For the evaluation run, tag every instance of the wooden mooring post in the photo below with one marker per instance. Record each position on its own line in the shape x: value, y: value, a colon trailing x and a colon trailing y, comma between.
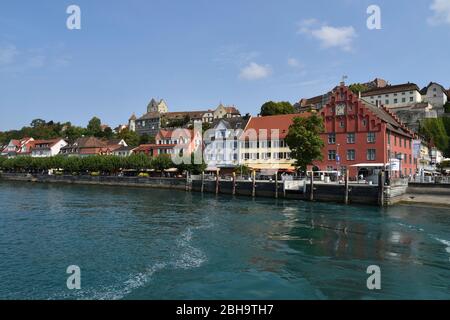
x: 202, y: 188
x: 253, y: 183
x: 346, y: 187
x: 187, y: 181
x: 276, y: 185
x: 311, y: 192
x: 234, y: 184
x: 217, y: 181
x: 381, y: 188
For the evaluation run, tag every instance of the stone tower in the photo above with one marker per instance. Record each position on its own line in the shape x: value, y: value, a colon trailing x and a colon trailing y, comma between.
x: 132, y: 123
x: 155, y: 106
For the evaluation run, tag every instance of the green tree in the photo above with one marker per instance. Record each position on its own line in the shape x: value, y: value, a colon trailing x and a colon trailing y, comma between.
x: 358, y: 87
x: 274, y: 108
x: 242, y: 170
x: 305, y: 141
x: 73, y: 133
x: 107, y: 133
x: 162, y: 162
x: 130, y: 137
x: 447, y: 107
x: 146, y: 139
x: 37, y: 123
x: 434, y: 130
x: 94, y: 127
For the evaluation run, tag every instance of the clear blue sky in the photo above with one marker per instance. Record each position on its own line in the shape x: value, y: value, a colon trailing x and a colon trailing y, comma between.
x: 198, y: 53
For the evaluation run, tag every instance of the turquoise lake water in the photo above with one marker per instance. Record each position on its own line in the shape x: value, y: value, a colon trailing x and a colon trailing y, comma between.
x: 133, y: 243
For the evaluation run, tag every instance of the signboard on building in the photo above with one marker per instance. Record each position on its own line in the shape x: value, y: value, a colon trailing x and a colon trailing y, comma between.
x: 416, y: 148
x: 394, y: 165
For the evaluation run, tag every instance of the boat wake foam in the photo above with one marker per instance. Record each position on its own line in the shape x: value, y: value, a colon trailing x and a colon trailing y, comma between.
x: 185, y: 256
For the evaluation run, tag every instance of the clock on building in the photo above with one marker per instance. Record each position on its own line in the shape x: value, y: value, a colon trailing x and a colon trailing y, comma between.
x: 340, y: 109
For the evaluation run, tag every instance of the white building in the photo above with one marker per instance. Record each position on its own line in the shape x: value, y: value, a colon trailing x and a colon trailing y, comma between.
x: 222, y: 147
x: 47, y: 148
x: 394, y: 95
x: 436, y: 95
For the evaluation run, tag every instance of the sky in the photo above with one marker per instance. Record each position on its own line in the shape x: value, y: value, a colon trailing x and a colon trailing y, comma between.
x: 196, y: 54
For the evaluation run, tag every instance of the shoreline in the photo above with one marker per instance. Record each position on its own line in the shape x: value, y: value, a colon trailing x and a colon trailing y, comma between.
x: 360, y: 195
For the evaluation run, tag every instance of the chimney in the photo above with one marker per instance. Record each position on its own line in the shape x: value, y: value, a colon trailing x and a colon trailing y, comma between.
x: 359, y: 95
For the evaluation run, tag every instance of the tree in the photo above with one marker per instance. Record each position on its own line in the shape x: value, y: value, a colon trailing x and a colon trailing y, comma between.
x: 107, y: 133
x: 434, y: 130
x: 358, y: 87
x: 447, y: 107
x: 206, y: 126
x: 146, y: 139
x: 274, y: 108
x: 162, y: 162
x: 94, y: 127
x: 130, y: 137
x: 73, y: 133
x: 37, y: 123
x: 305, y: 141
x: 243, y: 170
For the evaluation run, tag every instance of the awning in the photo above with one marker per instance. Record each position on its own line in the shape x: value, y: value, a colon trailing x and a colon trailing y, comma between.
x: 369, y: 165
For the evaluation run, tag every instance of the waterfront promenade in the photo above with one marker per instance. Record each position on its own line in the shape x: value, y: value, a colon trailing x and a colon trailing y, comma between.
x: 420, y: 194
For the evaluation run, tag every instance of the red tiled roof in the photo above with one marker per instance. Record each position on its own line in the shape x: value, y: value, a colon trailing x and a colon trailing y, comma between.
x: 391, y: 89
x: 168, y: 134
x: 232, y: 110
x: 50, y: 142
x: 269, y: 123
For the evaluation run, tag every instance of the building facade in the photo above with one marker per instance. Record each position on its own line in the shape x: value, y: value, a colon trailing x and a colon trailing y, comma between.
x: 362, y: 137
x: 263, y: 146
x: 47, y: 148
x: 158, y: 116
x: 89, y: 146
x: 393, y: 95
x: 222, y: 143
x: 436, y: 95
x: 20, y: 147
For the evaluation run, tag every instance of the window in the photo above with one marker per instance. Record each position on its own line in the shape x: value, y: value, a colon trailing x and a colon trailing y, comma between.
x: 389, y: 138
x: 351, y: 155
x: 371, y: 154
x: 411, y: 99
x: 332, y: 155
x: 386, y: 101
x: 371, y: 137
x: 350, y: 138
x: 403, y: 99
x: 342, y: 124
x: 395, y: 100
x: 364, y: 122
x: 404, y: 144
x: 331, y: 138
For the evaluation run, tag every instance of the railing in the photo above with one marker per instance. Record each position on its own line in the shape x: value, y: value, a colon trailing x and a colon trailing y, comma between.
x: 431, y: 179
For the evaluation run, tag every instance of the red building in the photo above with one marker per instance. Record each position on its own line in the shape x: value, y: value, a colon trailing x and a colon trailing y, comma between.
x: 363, y: 138
x: 171, y: 142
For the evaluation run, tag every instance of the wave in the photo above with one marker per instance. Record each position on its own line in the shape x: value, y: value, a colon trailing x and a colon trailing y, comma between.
x: 186, y: 256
